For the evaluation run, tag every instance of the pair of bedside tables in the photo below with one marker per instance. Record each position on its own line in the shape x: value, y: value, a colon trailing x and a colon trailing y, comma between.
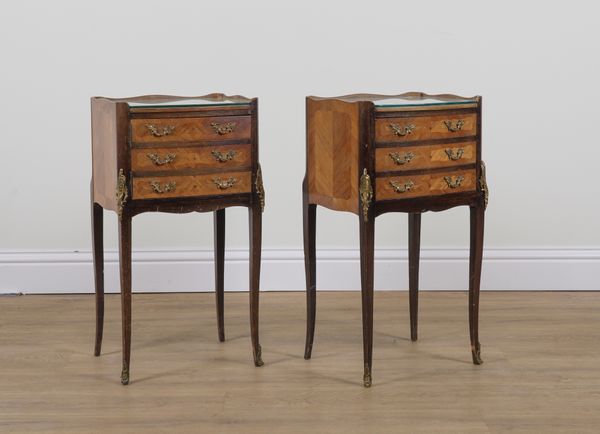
x: 366, y: 154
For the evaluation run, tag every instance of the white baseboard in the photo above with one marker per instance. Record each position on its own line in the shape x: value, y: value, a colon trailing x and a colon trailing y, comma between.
x: 283, y: 270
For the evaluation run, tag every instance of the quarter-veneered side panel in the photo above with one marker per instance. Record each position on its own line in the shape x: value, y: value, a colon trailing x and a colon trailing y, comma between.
x: 333, y: 154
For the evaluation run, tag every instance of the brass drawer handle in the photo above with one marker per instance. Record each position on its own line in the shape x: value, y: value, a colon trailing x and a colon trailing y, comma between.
x: 165, y: 188
x: 224, y: 184
x: 455, y: 154
x: 158, y: 161
x: 402, y: 188
x: 401, y: 159
x: 454, y: 183
x: 157, y: 132
x: 222, y: 129
x: 402, y: 130
x: 454, y: 126
x: 223, y: 157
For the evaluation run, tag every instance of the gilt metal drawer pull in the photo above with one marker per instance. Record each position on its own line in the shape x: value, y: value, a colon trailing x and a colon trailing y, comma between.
x: 222, y: 129
x: 402, y: 188
x: 159, y: 161
x: 160, y: 132
x: 165, y: 188
x: 402, y: 130
x: 454, y: 126
x: 455, y: 154
x: 454, y: 183
x: 401, y: 159
x: 223, y: 157
x: 224, y: 184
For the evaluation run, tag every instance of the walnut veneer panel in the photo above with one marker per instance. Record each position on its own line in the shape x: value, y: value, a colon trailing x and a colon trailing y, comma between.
x: 108, y: 130
x: 186, y: 130
x: 431, y: 184
x: 424, y: 157
x: 333, y: 150
x: 186, y: 186
x: 425, y: 127
x: 184, y: 158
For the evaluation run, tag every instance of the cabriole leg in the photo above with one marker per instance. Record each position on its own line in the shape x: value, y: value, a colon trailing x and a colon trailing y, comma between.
x: 475, y: 261
x: 125, y: 268
x: 98, y: 258
x: 255, y: 214
x: 414, y: 247
x: 367, y: 245
x: 219, y: 228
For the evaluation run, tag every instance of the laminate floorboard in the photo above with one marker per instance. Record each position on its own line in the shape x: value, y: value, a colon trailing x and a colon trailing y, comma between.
x: 541, y: 370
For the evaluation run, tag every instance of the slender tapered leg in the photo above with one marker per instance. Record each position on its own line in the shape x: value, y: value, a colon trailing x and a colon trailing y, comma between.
x: 125, y: 268
x: 310, y: 269
x: 255, y: 218
x: 414, y: 248
x: 98, y: 259
x: 367, y: 245
x: 219, y: 224
x: 475, y: 260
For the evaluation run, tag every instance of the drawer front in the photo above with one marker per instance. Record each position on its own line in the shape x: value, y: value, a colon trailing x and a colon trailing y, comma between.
x: 425, y: 127
x: 201, y: 157
x: 433, y: 184
x: 424, y: 157
x: 216, y: 184
x: 186, y: 130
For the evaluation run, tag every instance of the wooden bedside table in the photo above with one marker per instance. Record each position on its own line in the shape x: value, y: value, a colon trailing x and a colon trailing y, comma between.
x: 372, y: 154
x: 177, y: 155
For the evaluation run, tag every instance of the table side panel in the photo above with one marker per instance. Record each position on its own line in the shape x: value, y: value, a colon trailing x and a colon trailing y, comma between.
x: 333, y: 154
x: 106, y: 129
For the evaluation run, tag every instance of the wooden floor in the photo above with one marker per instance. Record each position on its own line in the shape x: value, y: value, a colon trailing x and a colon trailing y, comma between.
x: 541, y: 372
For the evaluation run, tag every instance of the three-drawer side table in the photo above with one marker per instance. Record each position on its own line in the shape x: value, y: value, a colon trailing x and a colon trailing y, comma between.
x: 176, y: 155
x: 373, y: 154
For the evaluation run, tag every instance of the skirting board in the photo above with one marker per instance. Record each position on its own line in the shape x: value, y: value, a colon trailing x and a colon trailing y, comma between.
x: 283, y: 270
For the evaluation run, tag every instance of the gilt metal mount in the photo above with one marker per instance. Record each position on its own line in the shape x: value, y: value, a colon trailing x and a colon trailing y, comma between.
x: 223, y: 157
x: 402, y: 187
x: 121, y: 192
x: 260, y: 190
x: 159, y: 161
x: 160, y: 132
x: 454, y: 154
x: 454, y: 126
x: 366, y: 193
x: 484, y: 186
x: 224, y: 184
x: 401, y: 159
x: 400, y: 130
x: 222, y: 129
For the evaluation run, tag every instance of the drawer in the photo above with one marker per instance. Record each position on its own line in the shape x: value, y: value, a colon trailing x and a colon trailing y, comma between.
x: 216, y: 184
x: 412, y: 128
x: 432, y: 184
x: 424, y: 157
x: 186, y: 130
x: 200, y: 157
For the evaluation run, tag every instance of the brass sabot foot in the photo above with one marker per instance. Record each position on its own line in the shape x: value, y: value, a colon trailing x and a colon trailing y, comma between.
x: 367, y: 377
x: 476, y: 353
x: 258, y: 357
x: 125, y: 376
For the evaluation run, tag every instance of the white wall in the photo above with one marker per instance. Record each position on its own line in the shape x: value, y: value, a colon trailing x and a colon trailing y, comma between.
x: 535, y: 63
